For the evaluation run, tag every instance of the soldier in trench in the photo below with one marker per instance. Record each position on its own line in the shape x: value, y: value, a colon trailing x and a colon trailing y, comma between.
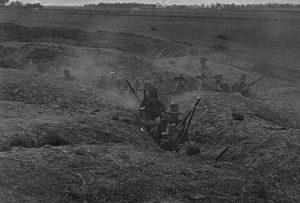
x: 169, y: 127
x: 240, y: 85
x: 151, y: 108
x: 206, y: 76
x: 220, y: 85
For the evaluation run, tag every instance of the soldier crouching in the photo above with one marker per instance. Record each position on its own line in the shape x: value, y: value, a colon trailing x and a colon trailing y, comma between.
x: 168, y: 129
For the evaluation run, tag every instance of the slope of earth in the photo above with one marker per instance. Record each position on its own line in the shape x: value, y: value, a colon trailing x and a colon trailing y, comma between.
x: 274, y: 42
x: 25, y: 55
x: 131, y: 43
x: 259, y: 142
x: 57, y: 150
x: 161, y: 50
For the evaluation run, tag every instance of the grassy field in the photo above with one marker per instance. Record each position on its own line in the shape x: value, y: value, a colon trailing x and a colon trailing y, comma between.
x: 274, y: 42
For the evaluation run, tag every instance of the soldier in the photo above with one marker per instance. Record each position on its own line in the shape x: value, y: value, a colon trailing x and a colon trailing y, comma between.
x: 125, y: 89
x: 205, y: 69
x: 220, y: 86
x: 206, y: 76
x: 244, y: 88
x: 146, y: 85
x: 68, y: 76
x: 168, y: 128
x: 150, y: 108
x: 240, y: 85
x: 169, y: 138
x: 180, y: 83
x: 138, y: 87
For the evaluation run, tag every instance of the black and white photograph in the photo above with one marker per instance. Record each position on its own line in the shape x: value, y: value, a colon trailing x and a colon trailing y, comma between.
x: 155, y: 101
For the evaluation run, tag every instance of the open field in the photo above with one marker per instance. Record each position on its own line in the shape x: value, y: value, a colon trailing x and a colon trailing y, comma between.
x: 263, y: 41
x: 79, y: 141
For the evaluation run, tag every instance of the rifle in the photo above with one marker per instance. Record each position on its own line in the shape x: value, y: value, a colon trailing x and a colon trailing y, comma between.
x: 222, y: 152
x: 187, y: 125
x: 129, y: 85
x: 186, y: 117
x: 245, y: 89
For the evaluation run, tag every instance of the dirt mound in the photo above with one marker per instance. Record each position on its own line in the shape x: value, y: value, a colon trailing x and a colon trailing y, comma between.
x: 107, y: 160
x: 5, y: 55
x: 6, y: 50
x: 14, y: 32
x: 44, y: 90
x: 124, y: 173
x: 130, y: 43
x: 135, y: 64
x: 74, y: 130
x: 44, y: 57
x: 44, y: 54
x: 146, y: 46
x: 284, y: 73
x: 255, y: 142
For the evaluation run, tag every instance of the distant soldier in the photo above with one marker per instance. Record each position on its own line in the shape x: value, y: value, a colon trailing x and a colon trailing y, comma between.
x: 206, y: 76
x: 150, y: 108
x: 220, y: 85
x: 244, y: 88
x: 126, y: 90
x: 240, y: 85
x: 138, y: 87
x: 68, y: 76
x: 204, y: 68
x: 180, y: 83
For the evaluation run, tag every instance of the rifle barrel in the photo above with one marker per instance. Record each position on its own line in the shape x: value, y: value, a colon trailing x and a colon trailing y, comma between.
x: 255, y: 81
x: 129, y: 85
x: 187, y: 125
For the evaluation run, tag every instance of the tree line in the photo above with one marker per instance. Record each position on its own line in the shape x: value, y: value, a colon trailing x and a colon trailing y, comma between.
x: 20, y: 4
x: 213, y: 6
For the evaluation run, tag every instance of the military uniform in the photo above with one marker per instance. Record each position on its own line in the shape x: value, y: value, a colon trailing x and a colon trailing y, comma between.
x: 180, y: 83
x: 168, y: 129
x: 225, y: 87
x: 169, y: 141
x: 150, y: 108
x: 158, y: 131
x: 220, y: 86
x: 239, y: 86
x: 206, y: 71
x: 68, y: 76
x: 207, y: 76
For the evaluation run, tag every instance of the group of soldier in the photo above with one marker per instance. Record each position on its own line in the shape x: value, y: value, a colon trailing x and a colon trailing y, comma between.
x: 216, y: 82
x: 209, y: 82
x: 163, y: 124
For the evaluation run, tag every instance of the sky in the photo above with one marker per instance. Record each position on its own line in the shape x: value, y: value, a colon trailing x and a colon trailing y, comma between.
x: 168, y: 2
